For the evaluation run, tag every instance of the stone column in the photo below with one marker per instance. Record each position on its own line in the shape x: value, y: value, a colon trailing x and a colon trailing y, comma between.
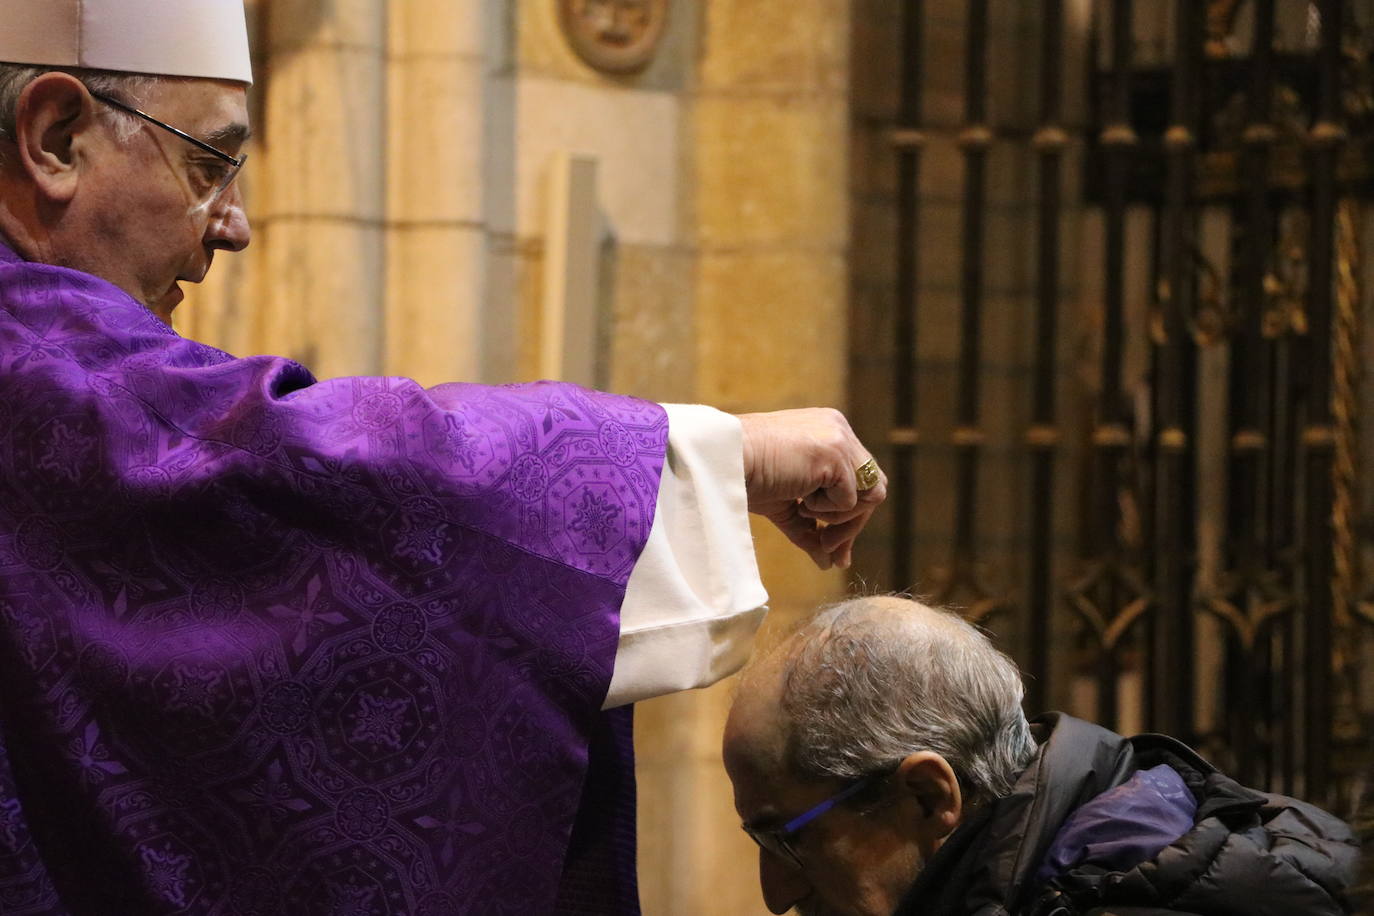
x: 436, y: 240
x: 322, y: 185
x: 770, y: 125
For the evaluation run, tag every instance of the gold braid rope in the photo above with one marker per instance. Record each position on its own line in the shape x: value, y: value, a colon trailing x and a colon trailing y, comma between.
x: 1345, y: 406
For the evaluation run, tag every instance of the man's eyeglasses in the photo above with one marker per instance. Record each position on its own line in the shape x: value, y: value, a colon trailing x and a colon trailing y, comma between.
x: 781, y: 841
x: 231, y: 167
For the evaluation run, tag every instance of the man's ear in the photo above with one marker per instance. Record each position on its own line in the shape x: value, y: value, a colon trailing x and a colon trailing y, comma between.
x: 54, y: 116
x: 929, y: 782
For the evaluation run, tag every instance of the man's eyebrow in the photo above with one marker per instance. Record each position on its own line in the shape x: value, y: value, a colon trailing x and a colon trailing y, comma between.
x: 230, y: 134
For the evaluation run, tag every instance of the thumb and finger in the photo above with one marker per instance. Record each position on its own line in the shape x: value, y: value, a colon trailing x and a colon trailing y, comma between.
x: 804, y: 533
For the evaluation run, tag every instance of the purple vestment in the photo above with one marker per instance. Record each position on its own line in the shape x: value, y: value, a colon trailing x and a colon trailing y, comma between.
x: 272, y: 645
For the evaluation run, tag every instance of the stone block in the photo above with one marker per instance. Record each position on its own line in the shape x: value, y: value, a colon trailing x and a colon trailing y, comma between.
x: 325, y: 136
x: 527, y: 262
x: 439, y: 28
x: 772, y: 170
x: 633, y: 135
x: 653, y: 349
x: 504, y: 312
x: 772, y: 329
x: 323, y: 294
x: 796, y: 47
x: 435, y: 156
x: 435, y: 307
x: 295, y: 25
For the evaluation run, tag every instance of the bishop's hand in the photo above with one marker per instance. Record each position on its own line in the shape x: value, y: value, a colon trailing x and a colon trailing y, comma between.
x: 800, y: 472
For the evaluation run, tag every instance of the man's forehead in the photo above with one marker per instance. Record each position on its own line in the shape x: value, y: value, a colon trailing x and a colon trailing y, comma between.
x: 755, y: 752
x: 215, y: 111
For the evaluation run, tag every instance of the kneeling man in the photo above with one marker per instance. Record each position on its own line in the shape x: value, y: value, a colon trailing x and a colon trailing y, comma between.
x: 881, y: 761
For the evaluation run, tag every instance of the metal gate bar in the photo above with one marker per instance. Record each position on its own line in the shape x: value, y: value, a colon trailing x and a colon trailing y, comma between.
x: 908, y: 141
x: 1171, y: 623
x: 1326, y: 140
x: 1043, y: 437
x: 962, y: 575
x: 1250, y: 598
x: 1111, y: 594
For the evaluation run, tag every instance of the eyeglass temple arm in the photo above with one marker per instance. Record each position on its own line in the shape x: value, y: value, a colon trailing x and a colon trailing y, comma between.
x: 802, y: 820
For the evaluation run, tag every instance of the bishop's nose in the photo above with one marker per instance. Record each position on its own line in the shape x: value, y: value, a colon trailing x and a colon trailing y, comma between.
x: 228, y: 229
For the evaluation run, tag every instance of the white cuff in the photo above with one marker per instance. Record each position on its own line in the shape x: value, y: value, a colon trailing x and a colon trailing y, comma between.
x: 694, y: 599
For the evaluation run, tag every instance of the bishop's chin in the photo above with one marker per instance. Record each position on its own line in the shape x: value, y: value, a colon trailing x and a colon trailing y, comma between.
x: 163, y: 307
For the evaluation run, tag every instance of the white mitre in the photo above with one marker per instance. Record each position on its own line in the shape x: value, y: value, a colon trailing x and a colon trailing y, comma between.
x: 198, y: 38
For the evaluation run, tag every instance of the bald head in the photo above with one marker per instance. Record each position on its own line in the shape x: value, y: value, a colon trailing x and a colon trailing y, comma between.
x: 867, y: 681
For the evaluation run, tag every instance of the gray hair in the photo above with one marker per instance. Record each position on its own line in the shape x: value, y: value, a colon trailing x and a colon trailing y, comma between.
x: 14, y: 78
x: 873, y: 680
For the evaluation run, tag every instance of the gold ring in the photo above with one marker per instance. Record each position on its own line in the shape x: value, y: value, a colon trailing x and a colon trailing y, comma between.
x: 866, y: 475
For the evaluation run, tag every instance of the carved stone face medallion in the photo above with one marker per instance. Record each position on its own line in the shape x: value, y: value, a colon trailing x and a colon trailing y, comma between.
x: 614, y: 36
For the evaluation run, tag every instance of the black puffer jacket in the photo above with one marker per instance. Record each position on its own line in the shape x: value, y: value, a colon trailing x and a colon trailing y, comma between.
x: 1247, y: 853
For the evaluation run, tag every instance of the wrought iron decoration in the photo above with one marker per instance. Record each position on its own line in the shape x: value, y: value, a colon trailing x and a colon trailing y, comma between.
x: 614, y: 36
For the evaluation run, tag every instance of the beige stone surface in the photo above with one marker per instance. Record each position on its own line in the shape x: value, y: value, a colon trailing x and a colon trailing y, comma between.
x: 772, y: 329
x: 294, y: 24
x: 323, y: 293
x: 325, y: 135
x: 633, y: 135
x: 441, y: 28
x: 435, y: 317
x: 438, y: 323
x: 435, y: 149
x: 771, y: 170
x: 506, y: 304
x: 653, y: 353
x: 790, y: 48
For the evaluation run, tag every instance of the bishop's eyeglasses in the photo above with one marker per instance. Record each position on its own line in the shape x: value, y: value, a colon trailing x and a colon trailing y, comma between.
x: 229, y: 165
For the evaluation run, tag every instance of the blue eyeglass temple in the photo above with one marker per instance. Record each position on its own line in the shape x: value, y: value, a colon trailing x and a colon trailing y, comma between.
x: 801, y: 820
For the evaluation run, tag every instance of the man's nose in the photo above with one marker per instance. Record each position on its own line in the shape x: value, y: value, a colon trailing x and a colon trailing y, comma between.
x: 228, y: 228
x: 783, y: 885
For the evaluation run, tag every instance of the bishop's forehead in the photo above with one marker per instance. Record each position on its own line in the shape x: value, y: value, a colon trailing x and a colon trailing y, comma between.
x: 207, y: 39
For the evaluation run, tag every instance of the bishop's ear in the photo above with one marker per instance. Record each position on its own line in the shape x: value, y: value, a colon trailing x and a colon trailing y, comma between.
x: 929, y: 783
x: 53, y: 121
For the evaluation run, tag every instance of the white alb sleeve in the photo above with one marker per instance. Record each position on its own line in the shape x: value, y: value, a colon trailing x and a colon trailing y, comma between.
x: 694, y: 600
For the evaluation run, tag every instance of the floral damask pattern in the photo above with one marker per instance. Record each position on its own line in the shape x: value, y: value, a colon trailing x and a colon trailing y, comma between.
x: 596, y: 518
x: 297, y: 645
x: 379, y: 721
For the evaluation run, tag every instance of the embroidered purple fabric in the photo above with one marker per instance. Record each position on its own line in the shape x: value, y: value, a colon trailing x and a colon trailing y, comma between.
x: 273, y: 645
x: 1123, y: 826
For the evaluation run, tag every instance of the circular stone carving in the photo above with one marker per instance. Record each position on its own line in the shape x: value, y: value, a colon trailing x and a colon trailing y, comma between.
x: 614, y: 36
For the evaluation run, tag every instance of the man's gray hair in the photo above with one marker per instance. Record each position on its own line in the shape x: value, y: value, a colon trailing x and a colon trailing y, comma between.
x: 873, y: 680
x: 128, y: 87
